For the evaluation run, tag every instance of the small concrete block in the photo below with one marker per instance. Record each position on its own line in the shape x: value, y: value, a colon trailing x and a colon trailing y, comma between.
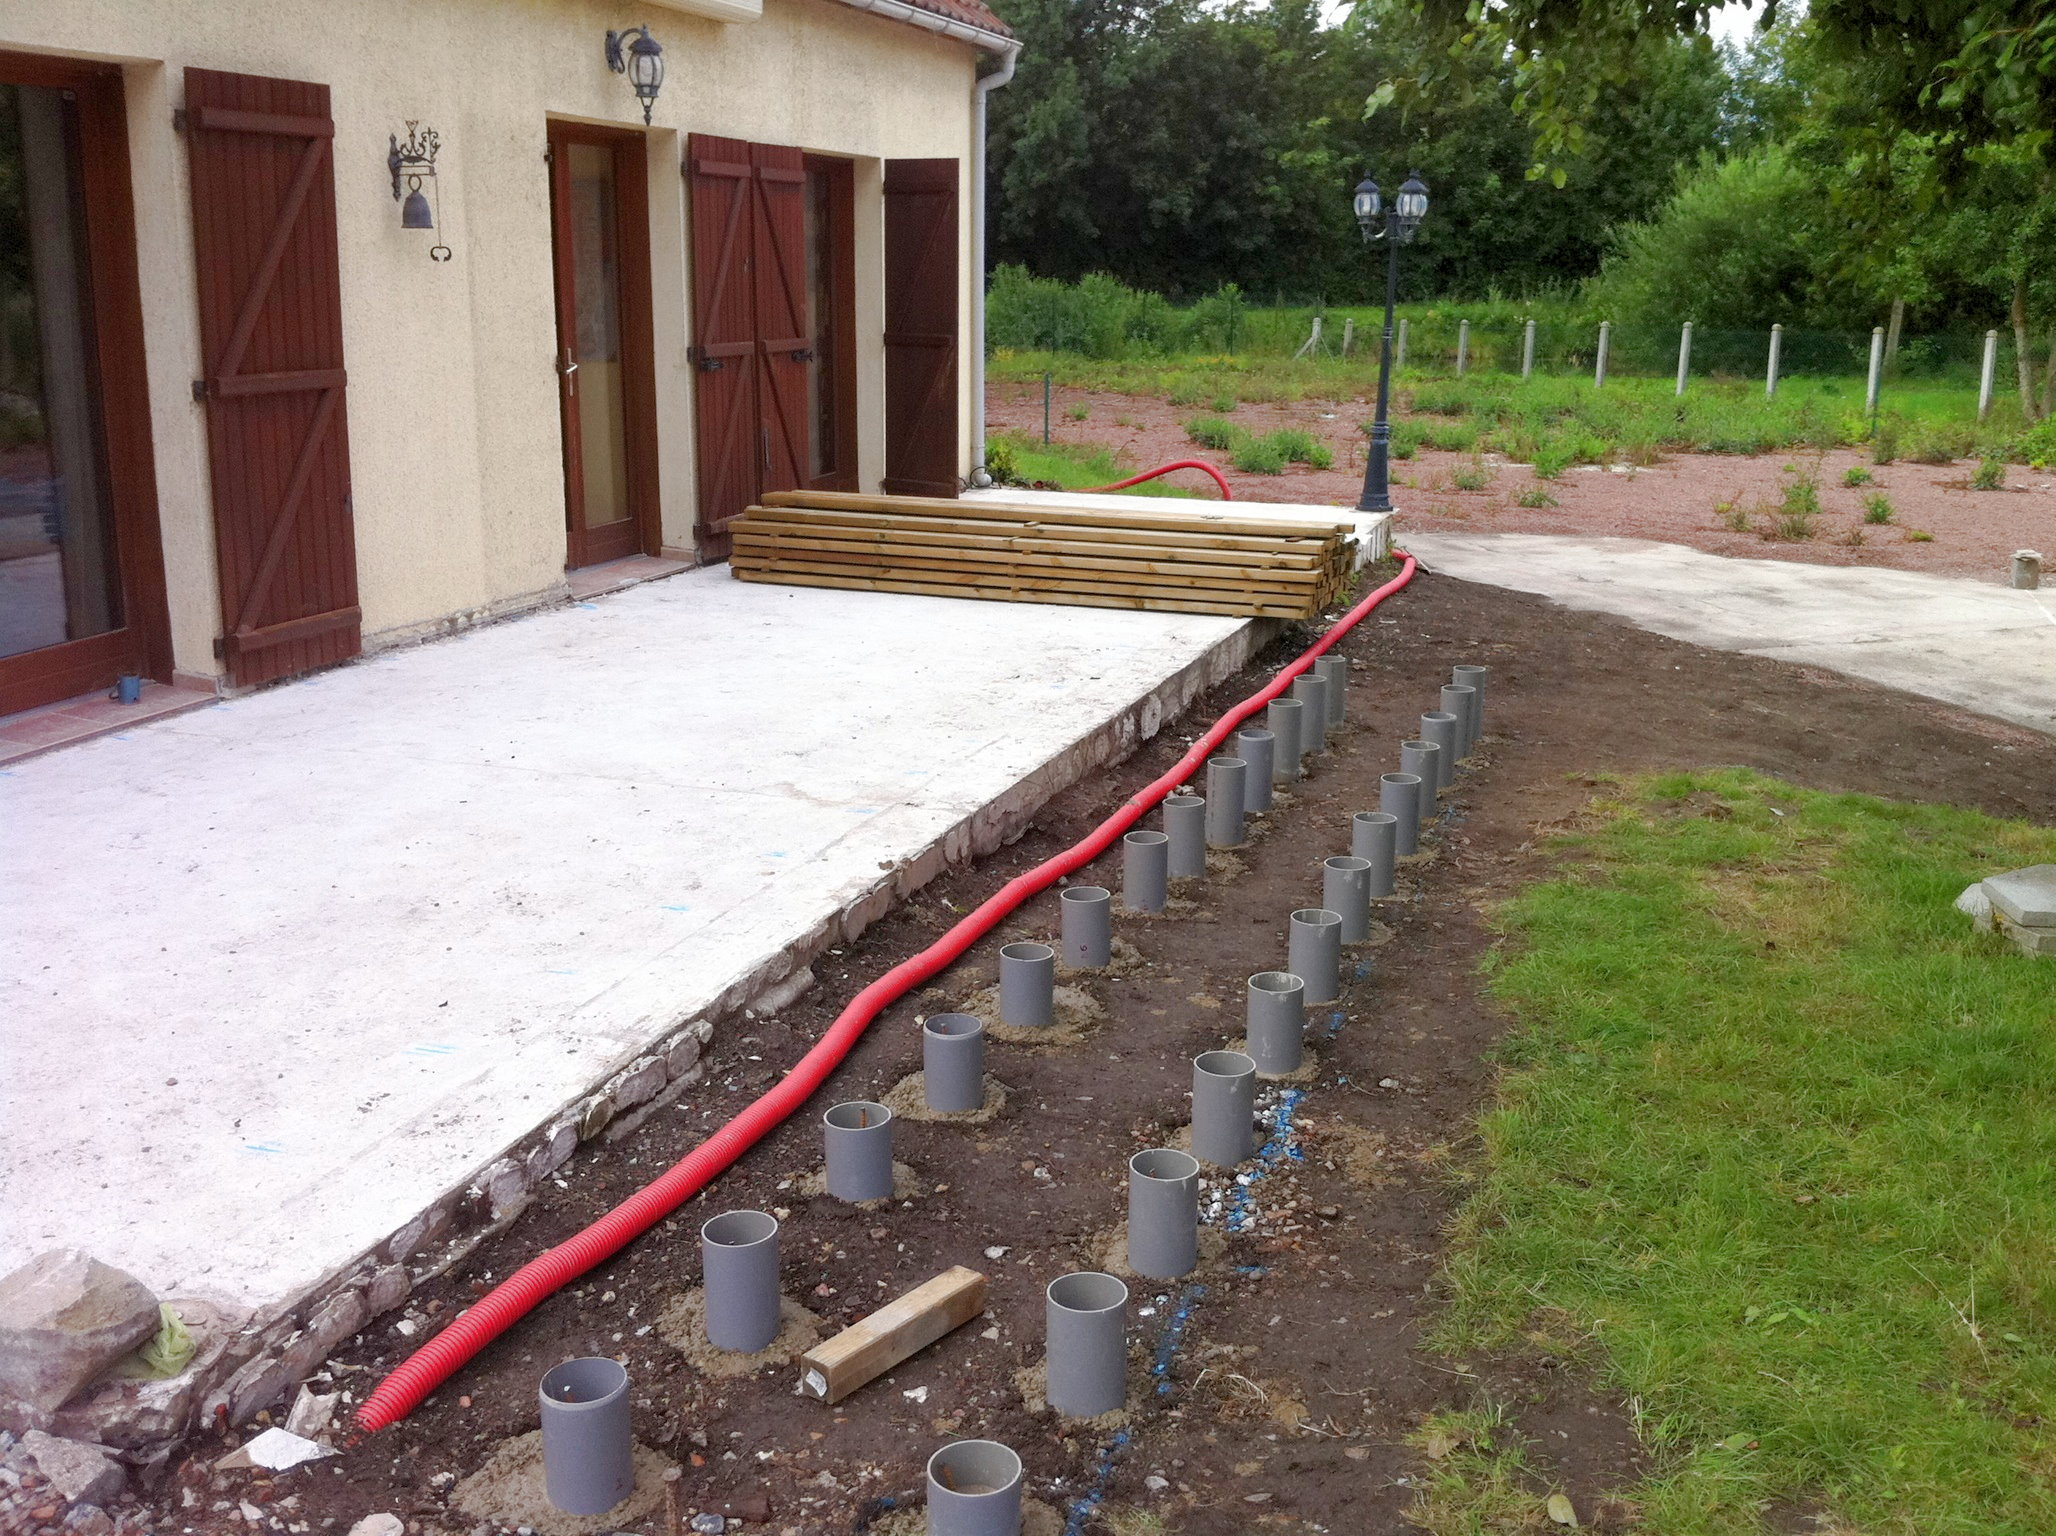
x: 2027, y: 896
x: 2031, y: 941
x: 65, y: 1316
x: 84, y: 1474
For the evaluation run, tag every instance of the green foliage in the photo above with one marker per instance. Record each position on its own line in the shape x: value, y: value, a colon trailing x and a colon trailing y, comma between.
x: 1770, y: 1153
x: 1553, y: 458
x: 1933, y: 443
x: 1474, y: 476
x: 1212, y: 432
x: 1856, y: 475
x: 1014, y: 458
x: 1078, y: 412
x: 1802, y: 491
x: 1877, y: 508
x: 1534, y: 497
x: 1224, y: 403
x: 2037, y: 445
x: 1300, y: 447
x: 1884, y: 442
x: 1919, y: 536
x: 1990, y: 474
x: 1261, y: 456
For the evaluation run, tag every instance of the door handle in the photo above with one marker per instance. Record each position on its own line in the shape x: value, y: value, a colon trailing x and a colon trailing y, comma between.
x: 803, y: 354
x: 709, y: 364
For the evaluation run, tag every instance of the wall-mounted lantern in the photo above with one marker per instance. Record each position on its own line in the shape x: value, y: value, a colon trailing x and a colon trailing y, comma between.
x: 643, y: 63
x: 411, y: 164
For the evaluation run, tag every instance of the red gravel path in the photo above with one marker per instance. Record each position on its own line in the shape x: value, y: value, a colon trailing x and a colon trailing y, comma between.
x: 1974, y: 533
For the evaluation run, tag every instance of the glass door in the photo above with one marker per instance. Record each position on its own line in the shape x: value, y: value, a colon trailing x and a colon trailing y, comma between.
x: 600, y: 239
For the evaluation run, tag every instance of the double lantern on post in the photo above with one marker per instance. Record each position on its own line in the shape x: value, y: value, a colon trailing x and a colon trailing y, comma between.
x: 1394, y: 223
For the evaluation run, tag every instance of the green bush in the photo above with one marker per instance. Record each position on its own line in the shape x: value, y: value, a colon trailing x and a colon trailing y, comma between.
x: 1884, y: 442
x: 1407, y: 437
x: 2037, y: 445
x: 1730, y: 247
x: 1535, y: 496
x: 1856, y: 475
x: 1442, y: 400
x: 1990, y: 474
x: 1877, y: 508
x: 1473, y: 476
x: 1302, y: 448
x: 1185, y: 392
x: 1212, y: 432
x: 1452, y: 436
x: 1224, y: 403
x: 1553, y: 458
x: 1261, y: 456
x: 1933, y: 443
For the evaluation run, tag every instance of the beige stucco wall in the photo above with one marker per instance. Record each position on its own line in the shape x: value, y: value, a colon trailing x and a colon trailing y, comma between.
x: 455, y: 452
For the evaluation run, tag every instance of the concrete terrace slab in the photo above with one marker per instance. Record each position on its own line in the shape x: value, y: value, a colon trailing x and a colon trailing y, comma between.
x: 1969, y: 643
x: 283, y: 974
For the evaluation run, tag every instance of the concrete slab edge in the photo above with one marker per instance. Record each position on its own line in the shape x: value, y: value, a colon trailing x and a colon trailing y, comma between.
x: 252, y: 1366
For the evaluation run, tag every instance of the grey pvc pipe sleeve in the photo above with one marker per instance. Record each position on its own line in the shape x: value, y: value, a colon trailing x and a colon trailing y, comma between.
x: 1027, y: 985
x: 1225, y: 778
x: 1185, y: 825
x: 1346, y: 891
x: 1474, y: 678
x: 1439, y: 726
x: 588, y: 1451
x: 1283, y: 717
x: 1312, y: 692
x: 1145, y: 871
x: 1314, y: 951
x: 1254, y: 748
x: 1423, y: 759
x: 1372, y: 839
x: 1399, y: 796
x: 1087, y: 937
x: 1456, y: 700
x: 953, y: 1062
x: 1276, y: 1022
x: 1334, y: 671
x: 974, y: 1489
x: 1223, y: 1107
x: 1086, y: 1344
x: 858, y: 1137
x: 739, y: 1254
x: 1163, y: 1213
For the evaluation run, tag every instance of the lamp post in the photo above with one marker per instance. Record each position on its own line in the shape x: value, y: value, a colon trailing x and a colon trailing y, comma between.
x: 1395, y: 225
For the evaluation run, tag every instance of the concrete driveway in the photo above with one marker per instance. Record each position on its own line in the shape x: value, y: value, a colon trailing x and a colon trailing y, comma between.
x: 1969, y: 643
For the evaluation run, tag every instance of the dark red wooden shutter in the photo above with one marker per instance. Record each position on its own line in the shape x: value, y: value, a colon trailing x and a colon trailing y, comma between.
x: 921, y: 241
x: 784, y: 339
x: 725, y: 335
x: 271, y: 334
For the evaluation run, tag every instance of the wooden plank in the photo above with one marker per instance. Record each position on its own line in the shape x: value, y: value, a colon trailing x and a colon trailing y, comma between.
x: 1055, y: 599
x: 903, y: 1327
x: 1298, y: 583
x: 1003, y: 582
x: 1298, y: 566
x: 1144, y: 516
x: 1311, y: 548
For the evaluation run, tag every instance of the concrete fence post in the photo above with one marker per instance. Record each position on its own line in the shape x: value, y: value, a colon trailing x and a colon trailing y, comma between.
x: 1463, y: 347
x: 1986, y: 374
x: 1527, y: 349
x: 1348, y: 333
x: 1684, y: 356
x: 1877, y: 370
x: 1770, y: 376
x: 1599, y: 361
x: 1399, y: 345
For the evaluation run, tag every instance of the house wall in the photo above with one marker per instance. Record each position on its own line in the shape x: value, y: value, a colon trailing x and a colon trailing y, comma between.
x: 455, y: 448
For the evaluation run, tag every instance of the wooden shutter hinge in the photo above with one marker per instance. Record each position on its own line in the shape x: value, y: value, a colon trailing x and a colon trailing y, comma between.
x: 178, y: 119
x: 199, y: 391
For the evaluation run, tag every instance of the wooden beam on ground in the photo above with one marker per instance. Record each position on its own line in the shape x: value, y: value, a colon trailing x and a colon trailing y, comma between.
x: 1148, y: 512
x: 867, y: 1349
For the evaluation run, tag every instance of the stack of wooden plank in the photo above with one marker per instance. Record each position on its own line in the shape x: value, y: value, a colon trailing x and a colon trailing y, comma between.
x: 1162, y: 555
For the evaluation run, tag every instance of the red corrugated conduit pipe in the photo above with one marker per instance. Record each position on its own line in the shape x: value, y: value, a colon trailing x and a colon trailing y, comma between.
x: 513, y: 1298
x: 1165, y: 469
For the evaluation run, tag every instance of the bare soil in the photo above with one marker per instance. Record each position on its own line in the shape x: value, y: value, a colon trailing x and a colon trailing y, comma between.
x: 1685, y: 498
x: 1290, y: 1387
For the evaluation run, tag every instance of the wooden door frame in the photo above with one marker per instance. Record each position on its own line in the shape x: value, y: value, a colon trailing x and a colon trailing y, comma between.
x: 638, y: 344
x: 842, y: 238
x: 143, y: 643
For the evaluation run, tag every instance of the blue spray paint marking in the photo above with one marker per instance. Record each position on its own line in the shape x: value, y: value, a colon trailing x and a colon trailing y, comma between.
x: 585, y: 605
x: 1274, y: 1151
x: 271, y: 1147
x: 680, y: 907
x: 558, y: 970
x: 1335, y: 1019
x: 431, y: 1050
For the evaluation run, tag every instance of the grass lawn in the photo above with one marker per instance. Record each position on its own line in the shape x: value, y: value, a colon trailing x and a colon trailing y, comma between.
x: 1562, y: 420
x: 1775, y: 1154
x: 1067, y: 466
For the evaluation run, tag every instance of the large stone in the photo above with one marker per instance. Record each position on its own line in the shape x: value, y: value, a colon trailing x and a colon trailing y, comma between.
x: 64, y: 1318
x: 2028, y: 896
x: 84, y: 1474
